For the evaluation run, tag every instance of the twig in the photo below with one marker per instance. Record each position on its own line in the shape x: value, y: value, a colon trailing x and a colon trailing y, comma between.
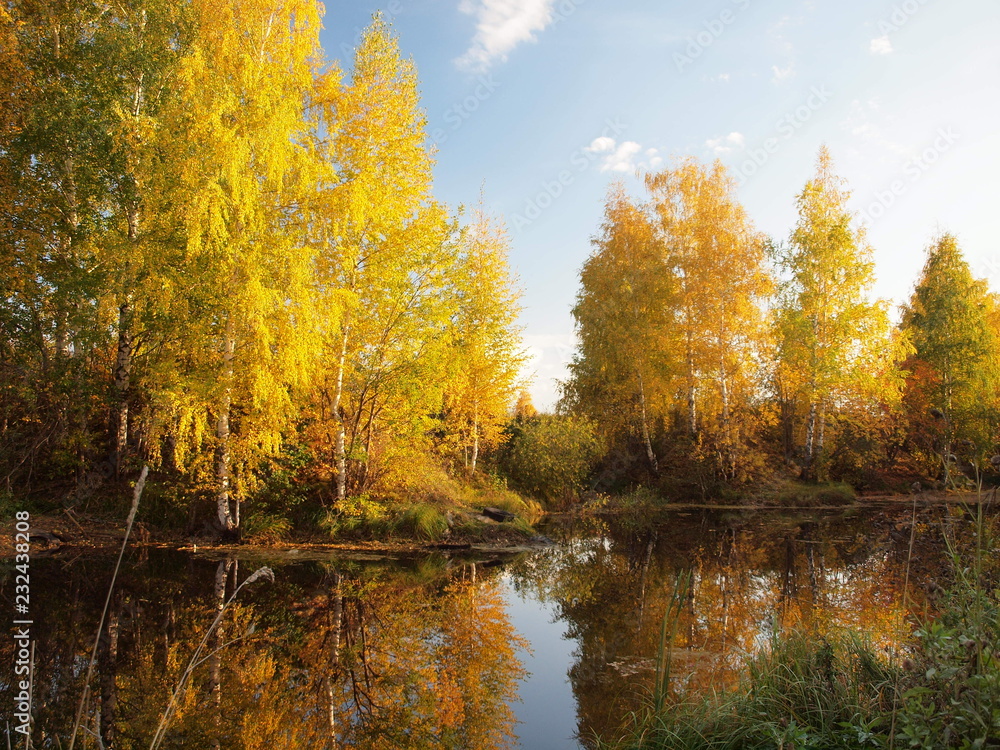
x: 69, y: 515
x: 136, y: 494
x: 161, y: 729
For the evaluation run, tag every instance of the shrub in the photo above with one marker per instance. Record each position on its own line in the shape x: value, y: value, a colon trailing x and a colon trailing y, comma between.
x: 549, y: 456
x: 355, y: 516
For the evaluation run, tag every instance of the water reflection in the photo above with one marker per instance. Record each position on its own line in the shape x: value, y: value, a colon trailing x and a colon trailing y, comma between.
x: 611, y: 582
x: 331, y: 655
x: 424, y: 653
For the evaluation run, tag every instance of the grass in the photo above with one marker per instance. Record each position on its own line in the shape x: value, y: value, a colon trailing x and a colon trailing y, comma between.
x: 805, y: 691
x: 804, y: 495
x: 835, y: 690
x: 422, y: 521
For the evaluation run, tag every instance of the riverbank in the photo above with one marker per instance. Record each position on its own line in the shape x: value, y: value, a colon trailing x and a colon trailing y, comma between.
x: 69, y: 532
x: 835, y: 687
x: 468, y: 529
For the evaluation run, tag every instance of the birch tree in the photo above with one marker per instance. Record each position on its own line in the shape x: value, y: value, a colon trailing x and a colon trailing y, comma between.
x: 384, y: 256
x: 717, y: 258
x: 834, y: 344
x: 240, y: 111
x: 623, y: 372
x: 487, y: 347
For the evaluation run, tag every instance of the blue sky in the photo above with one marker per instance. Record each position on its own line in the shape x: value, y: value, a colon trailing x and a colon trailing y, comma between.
x: 546, y: 102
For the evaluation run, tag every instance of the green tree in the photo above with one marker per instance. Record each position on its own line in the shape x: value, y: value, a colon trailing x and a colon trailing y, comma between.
x: 954, y: 372
x: 549, y: 456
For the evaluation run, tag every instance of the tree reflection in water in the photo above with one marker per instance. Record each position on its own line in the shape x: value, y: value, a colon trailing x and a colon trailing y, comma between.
x: 751, y: 576
x: 422, y: 654
x: 330, y: 656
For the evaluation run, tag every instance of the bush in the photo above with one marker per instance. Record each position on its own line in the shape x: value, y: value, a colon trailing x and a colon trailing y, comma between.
x: 356, y: 516
x: 422, y: 521
x: 549, y: 456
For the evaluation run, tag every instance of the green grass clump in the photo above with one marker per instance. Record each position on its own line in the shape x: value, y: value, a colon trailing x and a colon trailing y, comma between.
x: 265, y: 528
x: 807, y: 691
x: 812, y: 495
x: 422, y: 521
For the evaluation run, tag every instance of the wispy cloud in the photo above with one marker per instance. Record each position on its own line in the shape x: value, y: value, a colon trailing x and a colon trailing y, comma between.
x: 623, y: 157
x: 780, y: 74
x: 726, y: 144
x: 868, y: 125
x: 881, y: 45
x: 500, y: 26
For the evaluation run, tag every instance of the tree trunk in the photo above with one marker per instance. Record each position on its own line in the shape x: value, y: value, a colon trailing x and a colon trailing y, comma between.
x: 810, y: 433
x: 340, y: 451
x: 650, y: 455
x: 475, y: 440
x: 123, y: 368
x: 107, y: 662
x: 729, y: 454
x: 228, y: 509
x: 692, y: 399
x: 123, y: 361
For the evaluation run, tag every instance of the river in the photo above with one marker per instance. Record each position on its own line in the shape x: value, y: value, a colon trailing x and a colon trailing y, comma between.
x: 540, y: 650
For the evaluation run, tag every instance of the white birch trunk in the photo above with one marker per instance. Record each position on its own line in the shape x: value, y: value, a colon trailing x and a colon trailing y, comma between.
x: 229, y: 516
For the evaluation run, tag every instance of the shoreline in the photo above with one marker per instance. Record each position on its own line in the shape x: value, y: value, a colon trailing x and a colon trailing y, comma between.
x: 68, y: 532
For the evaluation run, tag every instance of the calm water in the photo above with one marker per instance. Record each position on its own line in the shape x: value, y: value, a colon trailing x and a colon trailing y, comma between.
x: 542, y: 650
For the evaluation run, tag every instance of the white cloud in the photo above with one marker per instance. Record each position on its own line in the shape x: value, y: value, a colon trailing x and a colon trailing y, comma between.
x: 500, y: 26
x: 780, y: 74
x: 881, y: 46
x: 726, y: 144
x: 623, y: 158
x: 600, y: 145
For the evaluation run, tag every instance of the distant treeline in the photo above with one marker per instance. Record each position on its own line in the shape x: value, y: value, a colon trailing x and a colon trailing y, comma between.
x: 220, y: 255
x: 711, y: 357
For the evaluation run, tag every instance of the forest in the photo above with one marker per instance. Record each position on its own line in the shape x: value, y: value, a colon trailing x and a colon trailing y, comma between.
x: 222, y: 257
x: 710, y: 354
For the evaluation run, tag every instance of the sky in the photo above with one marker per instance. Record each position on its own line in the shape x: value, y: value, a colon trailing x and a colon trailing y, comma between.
x: 545, y: 103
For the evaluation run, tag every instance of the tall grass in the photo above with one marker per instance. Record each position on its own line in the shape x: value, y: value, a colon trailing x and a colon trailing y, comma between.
x: 664, y: 660
x: 835, y: 690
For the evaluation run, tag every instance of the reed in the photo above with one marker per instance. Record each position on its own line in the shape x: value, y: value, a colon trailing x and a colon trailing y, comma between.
x: 85, y: 694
